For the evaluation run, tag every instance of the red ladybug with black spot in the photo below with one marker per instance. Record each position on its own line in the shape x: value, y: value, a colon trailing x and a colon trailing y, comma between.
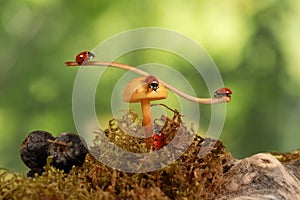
x: 223, y: 92
x: 152, y: 82
x: 84, y: 56
x: 158, y: 140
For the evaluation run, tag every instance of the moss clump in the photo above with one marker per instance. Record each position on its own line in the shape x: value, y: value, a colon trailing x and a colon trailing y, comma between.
x: 287, y: 157
x: 190, y: 176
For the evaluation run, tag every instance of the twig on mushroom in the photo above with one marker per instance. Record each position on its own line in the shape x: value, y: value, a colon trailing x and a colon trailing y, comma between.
x: 215, y: 100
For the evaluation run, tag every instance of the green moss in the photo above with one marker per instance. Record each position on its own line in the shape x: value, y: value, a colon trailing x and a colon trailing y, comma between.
x: 189, y: 176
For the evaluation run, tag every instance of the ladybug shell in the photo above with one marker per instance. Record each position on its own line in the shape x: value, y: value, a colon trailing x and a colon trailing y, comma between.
x: 223, y: 92
x: 84, y: 56
x: 151, y: 79
x: 152, y: 82
x: 158, y: 140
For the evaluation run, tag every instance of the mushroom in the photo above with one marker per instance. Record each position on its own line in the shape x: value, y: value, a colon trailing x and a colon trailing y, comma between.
x: 139, y: 90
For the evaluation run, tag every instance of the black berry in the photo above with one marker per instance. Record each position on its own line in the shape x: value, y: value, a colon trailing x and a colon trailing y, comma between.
x: 68, y: 149
x: 34, y: 149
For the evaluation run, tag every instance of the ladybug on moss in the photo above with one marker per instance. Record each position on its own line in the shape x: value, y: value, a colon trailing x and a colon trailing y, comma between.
x: 158, y: 140
x: 84, y: 56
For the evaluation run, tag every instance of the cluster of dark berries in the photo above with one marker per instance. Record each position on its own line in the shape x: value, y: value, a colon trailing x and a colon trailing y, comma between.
x: 67, y: 149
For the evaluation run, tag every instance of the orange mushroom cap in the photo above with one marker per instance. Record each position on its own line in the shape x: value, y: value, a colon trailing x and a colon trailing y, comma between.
x: 137, y: 90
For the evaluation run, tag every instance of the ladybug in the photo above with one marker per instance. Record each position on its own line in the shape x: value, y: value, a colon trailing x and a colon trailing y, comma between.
x: 158, y: 140
x: 222, y: 92
x: 152, y: 82
x: 84, y: 56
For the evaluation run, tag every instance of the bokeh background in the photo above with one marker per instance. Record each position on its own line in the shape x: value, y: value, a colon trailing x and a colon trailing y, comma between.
x: 255, y: 45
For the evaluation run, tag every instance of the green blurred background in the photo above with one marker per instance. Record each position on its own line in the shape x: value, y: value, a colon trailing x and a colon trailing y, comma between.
x: 255, y: 45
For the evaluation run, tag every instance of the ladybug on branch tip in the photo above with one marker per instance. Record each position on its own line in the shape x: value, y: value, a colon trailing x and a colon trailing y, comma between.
x: 223, y: 92
x: 84, y: 56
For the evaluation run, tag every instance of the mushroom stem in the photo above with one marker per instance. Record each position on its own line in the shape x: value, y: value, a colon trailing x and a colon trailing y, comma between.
x: 147, y: 121
x: 146, y: 106
x: 224, y: 99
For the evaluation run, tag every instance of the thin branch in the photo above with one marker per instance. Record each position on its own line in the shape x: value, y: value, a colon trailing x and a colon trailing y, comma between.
x: 224, y: 99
